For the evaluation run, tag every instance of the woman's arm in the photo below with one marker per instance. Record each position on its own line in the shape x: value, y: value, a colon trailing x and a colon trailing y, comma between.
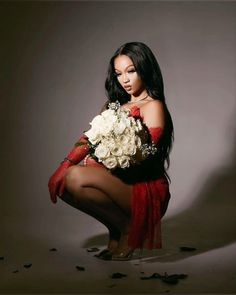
x: 153, y: 114
x: 56, y: 182
x: 154, y: 118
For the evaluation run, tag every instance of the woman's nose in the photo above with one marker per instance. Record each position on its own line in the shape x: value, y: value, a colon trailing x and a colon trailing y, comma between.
x: 125, y: 78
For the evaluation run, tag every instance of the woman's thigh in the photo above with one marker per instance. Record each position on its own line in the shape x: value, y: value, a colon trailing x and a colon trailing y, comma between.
x: 89, y: 182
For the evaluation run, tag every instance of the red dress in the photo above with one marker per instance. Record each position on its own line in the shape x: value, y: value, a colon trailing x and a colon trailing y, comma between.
x: 150, y: 196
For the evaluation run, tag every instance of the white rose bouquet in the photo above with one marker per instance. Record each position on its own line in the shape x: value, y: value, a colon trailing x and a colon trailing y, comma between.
x: 118, y: 140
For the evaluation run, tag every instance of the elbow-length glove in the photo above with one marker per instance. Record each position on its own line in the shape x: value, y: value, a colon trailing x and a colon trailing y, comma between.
x: 56, y: 182
x: 155, y: 133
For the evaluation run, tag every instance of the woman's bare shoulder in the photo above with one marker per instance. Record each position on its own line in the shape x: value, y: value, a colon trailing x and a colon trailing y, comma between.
x: 153, y: 103
x: 153, y: 112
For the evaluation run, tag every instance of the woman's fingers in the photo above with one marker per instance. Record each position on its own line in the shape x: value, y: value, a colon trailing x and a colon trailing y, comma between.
x: 52, y: 191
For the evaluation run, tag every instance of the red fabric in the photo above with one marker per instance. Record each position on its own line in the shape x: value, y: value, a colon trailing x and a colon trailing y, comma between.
x: 149, y: 202
x: 156, y: 133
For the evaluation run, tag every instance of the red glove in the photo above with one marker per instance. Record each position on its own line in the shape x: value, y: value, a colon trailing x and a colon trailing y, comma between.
x: 56, y: 182
x: 156, y: 133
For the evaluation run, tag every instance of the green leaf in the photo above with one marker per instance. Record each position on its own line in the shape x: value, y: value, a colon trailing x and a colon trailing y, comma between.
x: 79, y: 143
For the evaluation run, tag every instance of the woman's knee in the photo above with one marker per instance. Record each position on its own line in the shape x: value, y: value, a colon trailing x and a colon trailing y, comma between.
x: 73, y: 178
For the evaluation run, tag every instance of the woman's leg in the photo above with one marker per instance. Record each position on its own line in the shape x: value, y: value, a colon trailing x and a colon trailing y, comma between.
x: 114, y: 233
x: 102, y: 192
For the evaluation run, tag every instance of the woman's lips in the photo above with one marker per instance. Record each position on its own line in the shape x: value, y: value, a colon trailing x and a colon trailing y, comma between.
x: 127, y: 88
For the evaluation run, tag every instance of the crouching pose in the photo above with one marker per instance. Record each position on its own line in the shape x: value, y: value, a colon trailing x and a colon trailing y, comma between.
x: 122, y: 180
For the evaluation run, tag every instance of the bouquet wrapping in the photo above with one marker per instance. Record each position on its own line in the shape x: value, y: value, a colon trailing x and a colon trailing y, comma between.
x: 118, y: 140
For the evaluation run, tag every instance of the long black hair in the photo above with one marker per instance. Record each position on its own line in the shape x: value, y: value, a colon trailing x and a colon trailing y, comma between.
x: 149, y: 72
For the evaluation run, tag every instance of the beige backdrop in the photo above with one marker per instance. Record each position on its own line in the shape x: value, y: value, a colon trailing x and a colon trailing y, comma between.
x: 54, y: 57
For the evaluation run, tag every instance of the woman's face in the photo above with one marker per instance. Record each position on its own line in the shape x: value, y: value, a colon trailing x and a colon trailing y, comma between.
x: 127, y: 75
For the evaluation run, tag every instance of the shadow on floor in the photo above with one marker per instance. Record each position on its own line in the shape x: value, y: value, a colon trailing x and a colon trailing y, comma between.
x: 98, y: 241
x: 209, y: 223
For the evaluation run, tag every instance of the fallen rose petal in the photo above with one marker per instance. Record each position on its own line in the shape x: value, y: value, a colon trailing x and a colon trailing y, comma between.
x: 170, y: 280
x: 177, y: 276
x: 28, y: 265
x: 187, y: 249
x: 173, y: 279
x: 182, y: 276
x: 153, y: 276
x: 118, y: 275
x: 93, y: 249
x: 156, y: 276
x: 53, y: 249
x: 80, y: 268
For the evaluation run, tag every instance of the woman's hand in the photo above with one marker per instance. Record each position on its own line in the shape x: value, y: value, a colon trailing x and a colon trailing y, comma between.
x: 56, y: 182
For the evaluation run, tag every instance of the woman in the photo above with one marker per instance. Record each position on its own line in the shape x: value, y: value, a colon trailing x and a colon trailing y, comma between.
x: 129, y: 202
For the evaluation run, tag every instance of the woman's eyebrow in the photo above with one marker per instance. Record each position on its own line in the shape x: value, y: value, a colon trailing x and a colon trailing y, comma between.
x: 126, y: 67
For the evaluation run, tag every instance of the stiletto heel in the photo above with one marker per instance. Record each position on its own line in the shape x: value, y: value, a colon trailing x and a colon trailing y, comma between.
x: 124, y: 255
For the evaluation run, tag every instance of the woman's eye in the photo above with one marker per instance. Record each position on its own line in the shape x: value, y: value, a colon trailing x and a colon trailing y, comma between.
x: 131, y: 71
x: 117, y: 74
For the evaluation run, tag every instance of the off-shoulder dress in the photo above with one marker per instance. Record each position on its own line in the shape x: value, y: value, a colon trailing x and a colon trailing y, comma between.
x: 150, y: 194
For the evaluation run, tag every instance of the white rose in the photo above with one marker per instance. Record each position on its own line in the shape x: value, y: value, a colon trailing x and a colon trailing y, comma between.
x: 120, y: 127
x: 131, y: 137
x: 132, y: 121
x: 108, y: 113
x: 127, y: 120
x: 130, y: 131
x: 109, y: 116
x: 129, y: 149
x: 101, y: 152
x: 93, y: 135
x: 110, y: 162
x: 97, y: 121
x: 138, y: 142
x: 139, y: 125
x: 124, y: 161
x: 102, y: 125
x: 116, y: 150
x: 124, y: 139
x: 109, y: 142
x: 106, y: 128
